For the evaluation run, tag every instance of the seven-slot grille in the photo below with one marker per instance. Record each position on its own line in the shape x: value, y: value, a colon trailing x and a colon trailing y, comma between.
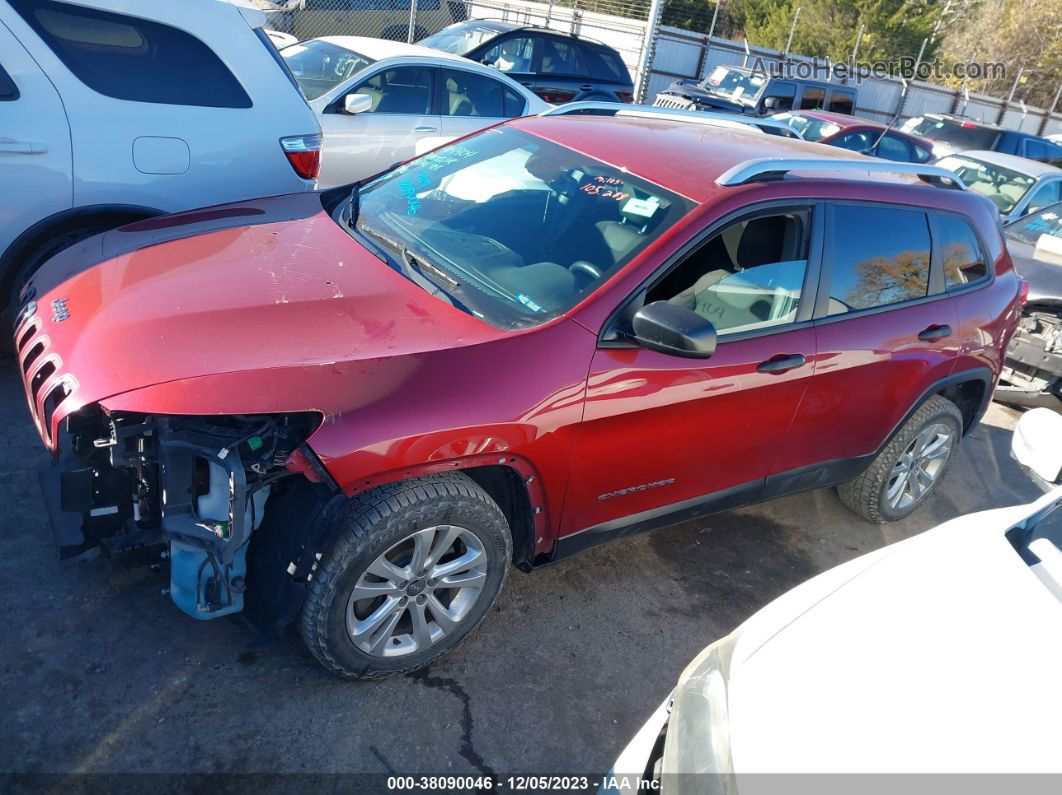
x: 672, y: 101
x: 46, y: 386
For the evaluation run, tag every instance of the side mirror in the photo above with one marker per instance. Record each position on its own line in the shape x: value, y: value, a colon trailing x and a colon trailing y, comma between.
x: 1037, y: 443
x: 668, y: 328
x: 356, y: 103
x: 770, y: 103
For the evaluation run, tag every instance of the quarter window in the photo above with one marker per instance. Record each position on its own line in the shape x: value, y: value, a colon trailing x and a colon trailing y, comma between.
x: 842, y: 103
x: 8, y: 89
x: 964, y: 261
x: 131, y: 58
x: 879, y: 256
x: 748, y: 276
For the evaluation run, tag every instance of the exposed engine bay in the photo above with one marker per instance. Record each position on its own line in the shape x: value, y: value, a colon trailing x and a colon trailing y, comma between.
x: 1032, y: 375
x: 196, y: 487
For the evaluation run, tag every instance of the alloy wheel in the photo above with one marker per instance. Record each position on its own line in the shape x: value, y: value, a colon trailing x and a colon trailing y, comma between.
x: 417, y: 592
x: 919, y: 467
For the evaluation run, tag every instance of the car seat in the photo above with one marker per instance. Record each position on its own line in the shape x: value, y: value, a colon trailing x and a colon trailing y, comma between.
x: 458, y: 100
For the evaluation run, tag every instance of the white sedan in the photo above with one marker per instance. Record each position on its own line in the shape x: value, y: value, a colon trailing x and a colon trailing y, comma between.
x: 938, y: 654
x: 382, y: 102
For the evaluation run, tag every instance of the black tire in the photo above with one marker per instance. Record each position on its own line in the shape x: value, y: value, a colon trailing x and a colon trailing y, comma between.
x: 376, y: 522
x: 866, y: 494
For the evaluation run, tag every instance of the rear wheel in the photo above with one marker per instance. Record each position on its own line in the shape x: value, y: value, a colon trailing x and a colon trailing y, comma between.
x: 912, y: 464
x: 414, y: 568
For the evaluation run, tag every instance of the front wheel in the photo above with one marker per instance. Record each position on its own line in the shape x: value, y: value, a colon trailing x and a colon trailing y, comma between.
x: 911, y: 465
x: 413, y: 569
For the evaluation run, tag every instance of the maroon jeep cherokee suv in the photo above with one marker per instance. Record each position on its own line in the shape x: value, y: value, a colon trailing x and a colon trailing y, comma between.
x: 354, y: 410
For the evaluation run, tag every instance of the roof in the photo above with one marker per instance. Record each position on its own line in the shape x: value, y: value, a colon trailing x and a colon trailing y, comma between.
x: 683, y: 158
x: 1031, y: 168
x: 378, y: 49
x: 842, y: 120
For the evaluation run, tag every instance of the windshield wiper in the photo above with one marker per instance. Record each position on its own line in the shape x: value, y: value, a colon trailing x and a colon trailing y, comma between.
x: 421, y: 266
x: 354, y: 206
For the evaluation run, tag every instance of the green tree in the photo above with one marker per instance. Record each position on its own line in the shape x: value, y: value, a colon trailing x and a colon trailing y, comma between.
x: 828, y: 28
x: 1017, y: 33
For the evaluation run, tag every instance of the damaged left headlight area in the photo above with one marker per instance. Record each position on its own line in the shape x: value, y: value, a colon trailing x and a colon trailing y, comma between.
x: 196, y: 487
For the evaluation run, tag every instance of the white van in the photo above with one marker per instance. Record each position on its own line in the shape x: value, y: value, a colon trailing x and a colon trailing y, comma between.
x: 112, y: 111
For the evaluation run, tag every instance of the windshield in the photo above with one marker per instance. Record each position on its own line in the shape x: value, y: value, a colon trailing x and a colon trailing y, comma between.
x: 734, y: 84
x: 1003, y: 186
x: 319, y: 66
x: 512, y: 228
x: 810, y: 129
x: 958, y: 135
x: 461, y: 38
x: 1031, y: 228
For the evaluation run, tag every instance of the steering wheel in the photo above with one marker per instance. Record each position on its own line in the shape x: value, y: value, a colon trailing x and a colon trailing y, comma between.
x: 584, y: 272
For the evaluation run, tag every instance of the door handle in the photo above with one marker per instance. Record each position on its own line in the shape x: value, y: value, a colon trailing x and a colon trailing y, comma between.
x: 23, y: 147
x: 782, y: 362
x: 935, y: 332
x: 425, y: 129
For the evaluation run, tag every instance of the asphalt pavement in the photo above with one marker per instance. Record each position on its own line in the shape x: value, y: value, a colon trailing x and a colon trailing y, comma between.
x: 99, y: 672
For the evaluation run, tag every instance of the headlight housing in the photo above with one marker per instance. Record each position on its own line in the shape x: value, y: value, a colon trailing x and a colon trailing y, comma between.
x: 697, y: 746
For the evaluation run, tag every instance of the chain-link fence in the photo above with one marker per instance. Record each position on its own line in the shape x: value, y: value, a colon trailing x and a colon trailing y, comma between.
x: 618, y: 23
x: 659, y: 42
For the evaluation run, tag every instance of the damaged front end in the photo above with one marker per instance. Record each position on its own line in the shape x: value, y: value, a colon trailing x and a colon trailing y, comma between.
x: 195, y: 487
x: 1032, y: 375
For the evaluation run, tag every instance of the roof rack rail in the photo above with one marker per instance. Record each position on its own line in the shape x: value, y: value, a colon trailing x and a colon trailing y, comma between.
x: 768, y: 168
x: 731, y: 120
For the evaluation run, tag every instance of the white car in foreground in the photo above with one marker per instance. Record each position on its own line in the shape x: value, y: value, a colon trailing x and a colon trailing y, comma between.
x: 938, y: 654
x: 114, y: 111
x: 382, y: 102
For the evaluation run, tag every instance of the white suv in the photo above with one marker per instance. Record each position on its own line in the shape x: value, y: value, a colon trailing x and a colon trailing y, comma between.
x: 112, y: 111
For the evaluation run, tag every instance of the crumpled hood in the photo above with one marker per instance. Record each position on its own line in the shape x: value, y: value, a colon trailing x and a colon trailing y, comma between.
x: 943, y: 656
x: 294, y: 290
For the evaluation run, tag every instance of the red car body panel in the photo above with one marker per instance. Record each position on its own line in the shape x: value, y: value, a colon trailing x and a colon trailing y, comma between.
x: 850, y: 124
x: 288, y: 313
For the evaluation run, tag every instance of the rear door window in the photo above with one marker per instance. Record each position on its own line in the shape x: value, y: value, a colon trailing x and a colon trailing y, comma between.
x: 469, y: 94
x: 783, y: 94
x: 406, y: 89
x: 134, y: 59
x: 876, y: 256
x: 894, y: 148
x: 960, y: 251
x: 561, y: 58
x: 813, y: 98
